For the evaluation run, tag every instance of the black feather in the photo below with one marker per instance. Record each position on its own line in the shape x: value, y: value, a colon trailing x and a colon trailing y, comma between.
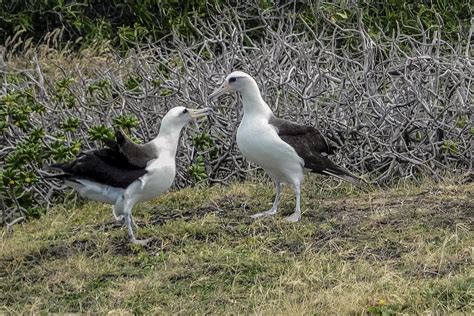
x: 312, y: 147
x: 135, y: 154
x: 119, y: 165
x: 105, y: 166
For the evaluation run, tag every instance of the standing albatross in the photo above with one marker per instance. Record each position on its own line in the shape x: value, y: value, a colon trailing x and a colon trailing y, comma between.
x: 127, y: 173
x: 282, y: 148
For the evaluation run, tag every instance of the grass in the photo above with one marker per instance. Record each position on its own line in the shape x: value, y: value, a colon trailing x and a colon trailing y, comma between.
x: 406, y: 249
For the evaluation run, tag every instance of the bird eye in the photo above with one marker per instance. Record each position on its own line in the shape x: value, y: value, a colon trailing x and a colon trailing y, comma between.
x: 232, y: 79
x: 185, y: 111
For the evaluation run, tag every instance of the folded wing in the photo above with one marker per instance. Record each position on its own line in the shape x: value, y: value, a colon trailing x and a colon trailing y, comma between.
x: 312, y: 147
x: 136, y: 154
x: 118, y: 166
x: 104, y: 166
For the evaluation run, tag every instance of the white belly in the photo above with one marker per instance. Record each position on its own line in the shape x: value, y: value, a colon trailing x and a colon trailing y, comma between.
x: 260, y: 144
x: 96, y: 191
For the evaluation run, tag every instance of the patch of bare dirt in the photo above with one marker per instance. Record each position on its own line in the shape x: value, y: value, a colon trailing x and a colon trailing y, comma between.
x: 288, y: 246
x: 121, y: 246
x: 440, y: 210
x: 62, y: 250
x: 51, y: 253
x: 229, y: 207
x: 163, y: 215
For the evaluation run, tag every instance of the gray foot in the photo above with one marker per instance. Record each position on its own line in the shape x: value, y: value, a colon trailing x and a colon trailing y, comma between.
x: 119, y: 218
x: 142, y: 242
x: 293, y: 218
x: 270, y: 212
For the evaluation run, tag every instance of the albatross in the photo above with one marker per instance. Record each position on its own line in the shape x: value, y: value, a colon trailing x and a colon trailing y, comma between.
x: 282, y: 148
x: 127, y: 173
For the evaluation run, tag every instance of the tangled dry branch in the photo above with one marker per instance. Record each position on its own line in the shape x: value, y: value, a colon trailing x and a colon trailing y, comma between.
x: 394, y: 107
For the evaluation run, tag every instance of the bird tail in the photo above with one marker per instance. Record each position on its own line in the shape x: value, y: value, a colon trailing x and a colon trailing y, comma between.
x: 344, y: 174
x: 60, y: 176
x: 62, y: 167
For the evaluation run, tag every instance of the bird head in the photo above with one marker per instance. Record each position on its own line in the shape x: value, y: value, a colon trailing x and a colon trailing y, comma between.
x: 236, y: 81
x: 179, y: 116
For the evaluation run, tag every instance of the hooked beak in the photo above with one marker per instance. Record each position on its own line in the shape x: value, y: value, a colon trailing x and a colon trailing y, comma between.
x: 199, y: 112
x: 220, y: 91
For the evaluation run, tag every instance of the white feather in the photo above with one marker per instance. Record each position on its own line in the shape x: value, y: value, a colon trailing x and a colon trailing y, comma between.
x: 96, y: 191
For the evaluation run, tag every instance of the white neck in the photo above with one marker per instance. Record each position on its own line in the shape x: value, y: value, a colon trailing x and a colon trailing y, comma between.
x: 167, y: 142
x: 253, y: 103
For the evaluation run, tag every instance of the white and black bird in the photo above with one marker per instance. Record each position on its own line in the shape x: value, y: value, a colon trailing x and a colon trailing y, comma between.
x: 282, y: 148
x: 126, y: 173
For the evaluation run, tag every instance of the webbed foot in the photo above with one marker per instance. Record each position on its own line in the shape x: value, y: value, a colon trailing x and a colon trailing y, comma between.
x: 293, y: 218
x: 268, y: 213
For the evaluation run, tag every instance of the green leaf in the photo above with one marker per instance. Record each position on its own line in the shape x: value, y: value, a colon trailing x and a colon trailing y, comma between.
x: 126, y: 121
x: 100, y: 132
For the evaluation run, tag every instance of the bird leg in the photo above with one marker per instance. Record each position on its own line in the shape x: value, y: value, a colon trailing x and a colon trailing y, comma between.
x: 296, y: 216
x: 274, y: 208
x: 119, y: 218
x: 131, y: 235
x: 118, y: 207
x: 128, y: 221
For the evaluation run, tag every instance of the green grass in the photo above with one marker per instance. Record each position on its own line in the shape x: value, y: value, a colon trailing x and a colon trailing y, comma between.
x: 407, y: 249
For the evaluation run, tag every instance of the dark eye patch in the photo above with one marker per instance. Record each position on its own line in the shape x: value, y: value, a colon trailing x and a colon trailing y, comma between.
x: 185, y: 111
x: 232, y: 79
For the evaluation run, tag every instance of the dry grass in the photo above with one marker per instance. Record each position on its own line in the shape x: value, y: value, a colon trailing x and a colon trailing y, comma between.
x: 407, y: 249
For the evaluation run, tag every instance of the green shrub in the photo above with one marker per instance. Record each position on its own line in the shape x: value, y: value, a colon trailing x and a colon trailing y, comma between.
x: 125, y: 23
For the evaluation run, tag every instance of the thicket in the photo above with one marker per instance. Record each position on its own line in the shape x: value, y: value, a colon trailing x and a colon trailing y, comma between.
x: 122, y: 23
x: 390, y: 83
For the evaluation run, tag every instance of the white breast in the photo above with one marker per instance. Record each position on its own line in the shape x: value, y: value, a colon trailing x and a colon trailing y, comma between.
x: 158, y: 179
x: 259, y: 143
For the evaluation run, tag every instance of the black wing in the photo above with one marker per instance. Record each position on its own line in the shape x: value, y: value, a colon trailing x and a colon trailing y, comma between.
x: 135, y: 154
x: 305, y: 139
x: 311, y: 145
x: 105, y: 166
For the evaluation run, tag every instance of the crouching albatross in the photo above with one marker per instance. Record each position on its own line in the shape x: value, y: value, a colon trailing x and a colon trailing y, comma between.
x: 126, y: 173
x: 282, y: 148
